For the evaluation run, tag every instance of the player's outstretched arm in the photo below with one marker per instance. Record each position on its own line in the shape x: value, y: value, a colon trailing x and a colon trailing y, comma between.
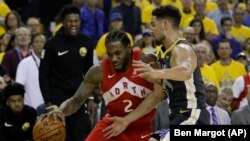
x: 91, y: 79
x: 183, y: 63
x: 147, y: 105
x: 71, y: 105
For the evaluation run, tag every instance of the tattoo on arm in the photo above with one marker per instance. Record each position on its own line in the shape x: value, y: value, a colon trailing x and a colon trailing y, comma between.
x: 85, y: 90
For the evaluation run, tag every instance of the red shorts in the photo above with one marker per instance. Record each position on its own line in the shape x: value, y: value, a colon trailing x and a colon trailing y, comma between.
x: 132, y: 133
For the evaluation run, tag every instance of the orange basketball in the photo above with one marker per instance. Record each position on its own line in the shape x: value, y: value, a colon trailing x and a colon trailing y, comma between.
x: 49, y: 130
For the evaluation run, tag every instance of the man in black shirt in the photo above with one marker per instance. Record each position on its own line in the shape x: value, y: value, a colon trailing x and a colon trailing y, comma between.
x: 66, y: 58
x: 16, y: 119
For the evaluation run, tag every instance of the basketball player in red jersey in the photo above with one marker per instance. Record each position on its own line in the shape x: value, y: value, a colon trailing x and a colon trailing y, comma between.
x: 123, y: 92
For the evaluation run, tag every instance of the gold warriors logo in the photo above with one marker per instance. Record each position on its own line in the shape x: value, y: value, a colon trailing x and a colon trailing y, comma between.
x: 83, y: 51
x: 26, y: 126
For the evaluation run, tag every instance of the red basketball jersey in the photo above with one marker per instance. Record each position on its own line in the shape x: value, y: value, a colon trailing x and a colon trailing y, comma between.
x: 123, y: 92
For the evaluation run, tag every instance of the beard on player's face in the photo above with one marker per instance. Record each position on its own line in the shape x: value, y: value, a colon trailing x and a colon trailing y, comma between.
x: 157, y: 42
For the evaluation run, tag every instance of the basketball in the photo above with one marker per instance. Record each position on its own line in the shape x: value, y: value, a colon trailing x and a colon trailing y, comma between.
x: 50, y: 130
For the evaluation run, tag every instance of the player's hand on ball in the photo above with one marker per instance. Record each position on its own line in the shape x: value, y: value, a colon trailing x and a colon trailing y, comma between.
x: 55, y: 114
x: 117, y: 127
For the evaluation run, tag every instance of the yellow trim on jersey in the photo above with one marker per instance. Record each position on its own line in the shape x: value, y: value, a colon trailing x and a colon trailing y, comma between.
x: 170, y: 48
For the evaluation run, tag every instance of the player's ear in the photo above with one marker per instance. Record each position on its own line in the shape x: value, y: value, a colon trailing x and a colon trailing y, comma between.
x: 166, y: 24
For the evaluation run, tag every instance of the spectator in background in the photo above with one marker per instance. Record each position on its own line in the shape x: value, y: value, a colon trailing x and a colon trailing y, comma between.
x: 142, y: 4
x: 187, y: 11
x: 239, y: 31
x: 240, y: 91
x: 218, y: 116
x: 34, y: 25
x: 175, y: 3
x: 16, y: 119
x: 200, y: 37
x: 12, y: 22
x: 3, y: 12
x: 6, y: 43
x: 242, y: 115
x: 27, y: 72
x: 116, y: 24
x: 146, y: 13
x: 242, y: 58
x: 48, y: 11
x: 226, y: 68
x: 147, y: 42
x: 188, y: 34
x: 246, y: 18
x: 131, y: 16
x: 210, y: 27
x: 92, y: 21
x: 226, y: 33
x: 67, y: 57
x: 199, y: 32
x: 225, y: 99
x: 12, y: 57
x: 222, y: 11
x: 207, y: 72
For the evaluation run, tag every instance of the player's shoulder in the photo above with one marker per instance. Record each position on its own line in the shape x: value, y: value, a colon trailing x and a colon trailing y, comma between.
x: 94, y: 74
x: 96, y: 68
x: 184, y: 45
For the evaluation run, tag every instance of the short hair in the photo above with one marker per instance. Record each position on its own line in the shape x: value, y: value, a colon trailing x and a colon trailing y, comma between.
x: 170, y: 13
x: 20, y: 30
x: 196, y: 46
x: 13, y: 89
x: 69, y: 9
x: 33, y: 18
x: 225, y: 90
x: 118, y: 36
x: 34, y: 36
x: 224, y: 41
x: 224, y: 19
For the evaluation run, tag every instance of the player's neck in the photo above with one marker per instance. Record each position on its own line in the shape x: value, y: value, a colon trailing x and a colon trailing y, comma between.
x: 169, y: 40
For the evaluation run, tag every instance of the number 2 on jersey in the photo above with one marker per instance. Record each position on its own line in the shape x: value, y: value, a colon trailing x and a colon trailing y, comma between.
x: 129, y: 104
